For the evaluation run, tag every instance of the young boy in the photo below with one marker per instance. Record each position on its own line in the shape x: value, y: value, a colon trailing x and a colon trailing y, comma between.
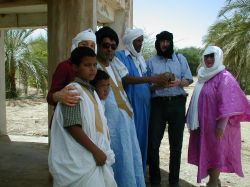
x: 101, y: 83
x: 80, y: 153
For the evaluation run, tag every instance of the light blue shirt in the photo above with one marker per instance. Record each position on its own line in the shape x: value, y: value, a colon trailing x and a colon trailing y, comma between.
x: 178, y: 66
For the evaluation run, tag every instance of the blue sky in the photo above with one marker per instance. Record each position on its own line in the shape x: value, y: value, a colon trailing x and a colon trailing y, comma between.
x: 188, y: 20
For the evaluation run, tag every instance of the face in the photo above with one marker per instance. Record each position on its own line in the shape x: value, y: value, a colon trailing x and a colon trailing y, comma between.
x: 106, y: 50
x: 87, y: 43
x: 209, y: 60
x: 164, y: 45
x: 87, y: 68
x: 137, y: 43
x: 102, y: 88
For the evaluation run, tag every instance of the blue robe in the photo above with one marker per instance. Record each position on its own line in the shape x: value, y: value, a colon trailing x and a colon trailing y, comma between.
x: 139, y: 97
x: 128, y: 170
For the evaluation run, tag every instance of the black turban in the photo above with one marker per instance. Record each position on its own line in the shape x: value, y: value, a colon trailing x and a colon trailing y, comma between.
x: 164, y: 35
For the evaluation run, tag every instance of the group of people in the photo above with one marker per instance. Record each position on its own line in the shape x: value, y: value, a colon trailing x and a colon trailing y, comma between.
x: 112, y: 108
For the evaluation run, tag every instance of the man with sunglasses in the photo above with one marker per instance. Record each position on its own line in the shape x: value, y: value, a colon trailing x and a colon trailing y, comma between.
x: 128, y: 170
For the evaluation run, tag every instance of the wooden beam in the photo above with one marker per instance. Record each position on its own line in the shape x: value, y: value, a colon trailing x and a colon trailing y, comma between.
x: 15, y: 3
x: 23, y: 20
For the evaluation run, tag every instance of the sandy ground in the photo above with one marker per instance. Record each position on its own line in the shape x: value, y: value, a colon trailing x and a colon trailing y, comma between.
x: 29, y: 117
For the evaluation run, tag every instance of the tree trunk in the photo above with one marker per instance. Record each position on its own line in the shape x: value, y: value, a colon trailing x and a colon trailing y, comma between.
x: 12, y: 79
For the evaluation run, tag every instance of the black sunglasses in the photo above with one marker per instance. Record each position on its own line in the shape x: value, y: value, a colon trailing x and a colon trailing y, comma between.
x: 108, y: 45
x: 211, y: 55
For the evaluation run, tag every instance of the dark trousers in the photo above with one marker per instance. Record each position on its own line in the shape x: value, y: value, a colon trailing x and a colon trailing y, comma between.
x: 171, y: 111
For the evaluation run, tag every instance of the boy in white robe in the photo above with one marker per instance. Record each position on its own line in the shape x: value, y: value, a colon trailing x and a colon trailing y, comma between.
x: 80, y: 153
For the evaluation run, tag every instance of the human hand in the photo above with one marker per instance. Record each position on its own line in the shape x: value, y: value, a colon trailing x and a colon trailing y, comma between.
x: 163, y: 79
x: 219, y: 133
x: 100, y: 157
x: 68, y: 96
x: 175, y: 83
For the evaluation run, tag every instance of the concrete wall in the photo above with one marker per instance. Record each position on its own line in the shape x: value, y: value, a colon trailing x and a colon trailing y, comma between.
x: 3, y: 129
x: 65, y: 20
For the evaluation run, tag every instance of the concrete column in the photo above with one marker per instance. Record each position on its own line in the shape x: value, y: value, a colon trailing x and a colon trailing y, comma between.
x: 65, y: 20
x: 123, y: 20
x: 3, y: 128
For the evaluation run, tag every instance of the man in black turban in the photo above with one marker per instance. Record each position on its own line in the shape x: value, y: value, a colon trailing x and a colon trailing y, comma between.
x: 167, y: 107
x: 165, y: 39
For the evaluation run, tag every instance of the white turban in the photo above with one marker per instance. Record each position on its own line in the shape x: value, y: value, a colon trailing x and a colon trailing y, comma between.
x: 128, y: 39
x: 129, y: 36
x: 83, y: 36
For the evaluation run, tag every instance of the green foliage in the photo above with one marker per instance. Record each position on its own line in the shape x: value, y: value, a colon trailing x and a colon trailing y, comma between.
x: 39, y: 53
x: 193, y: 56
x: 15, y: 49
x: 24, y: 61
x: 148, y: 48
x: 232, y: 34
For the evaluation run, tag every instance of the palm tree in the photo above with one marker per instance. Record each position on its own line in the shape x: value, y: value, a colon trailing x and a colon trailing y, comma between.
x: 15, y: 48
x: 232, y: 34
x: 241, y: 6
x: 21, y: 60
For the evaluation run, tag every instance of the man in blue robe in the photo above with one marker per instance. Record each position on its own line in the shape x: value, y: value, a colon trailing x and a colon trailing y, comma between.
x: 136, y: 84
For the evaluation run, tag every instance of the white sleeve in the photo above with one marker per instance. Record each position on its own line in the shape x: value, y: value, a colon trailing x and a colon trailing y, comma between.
x: 121, y: 69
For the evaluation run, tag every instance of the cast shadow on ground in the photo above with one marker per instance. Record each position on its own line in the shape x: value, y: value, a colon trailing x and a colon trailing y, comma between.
x: 25, y: 164
x: 164, y: 182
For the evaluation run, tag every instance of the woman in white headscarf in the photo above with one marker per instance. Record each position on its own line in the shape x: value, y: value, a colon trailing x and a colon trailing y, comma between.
x: 85, y: 38
x: 64, y: 73
x: 217, y: 107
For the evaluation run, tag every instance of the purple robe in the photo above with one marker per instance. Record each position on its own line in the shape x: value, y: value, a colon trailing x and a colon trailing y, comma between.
x: 220, y: 97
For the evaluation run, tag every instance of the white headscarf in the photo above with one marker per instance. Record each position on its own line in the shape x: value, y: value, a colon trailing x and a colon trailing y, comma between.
x: 82, y: 36
x: 204, y: 74
x: 129, y: 36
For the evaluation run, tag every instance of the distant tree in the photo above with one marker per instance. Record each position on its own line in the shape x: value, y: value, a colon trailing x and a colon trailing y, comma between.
x: 15, y: 51
x: 20, y: 59
x: 39, y: 52
x: 193, y: 56
x: 148, y: 48
x: 232, y: 34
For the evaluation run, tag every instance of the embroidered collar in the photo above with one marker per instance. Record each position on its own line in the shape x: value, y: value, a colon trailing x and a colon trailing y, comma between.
x: 85, y: 84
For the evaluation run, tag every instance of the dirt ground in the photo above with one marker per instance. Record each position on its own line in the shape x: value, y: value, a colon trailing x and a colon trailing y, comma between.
x: 29, y: 117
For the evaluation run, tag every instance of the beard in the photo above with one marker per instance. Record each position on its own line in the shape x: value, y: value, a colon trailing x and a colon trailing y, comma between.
x: 167, y: 53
